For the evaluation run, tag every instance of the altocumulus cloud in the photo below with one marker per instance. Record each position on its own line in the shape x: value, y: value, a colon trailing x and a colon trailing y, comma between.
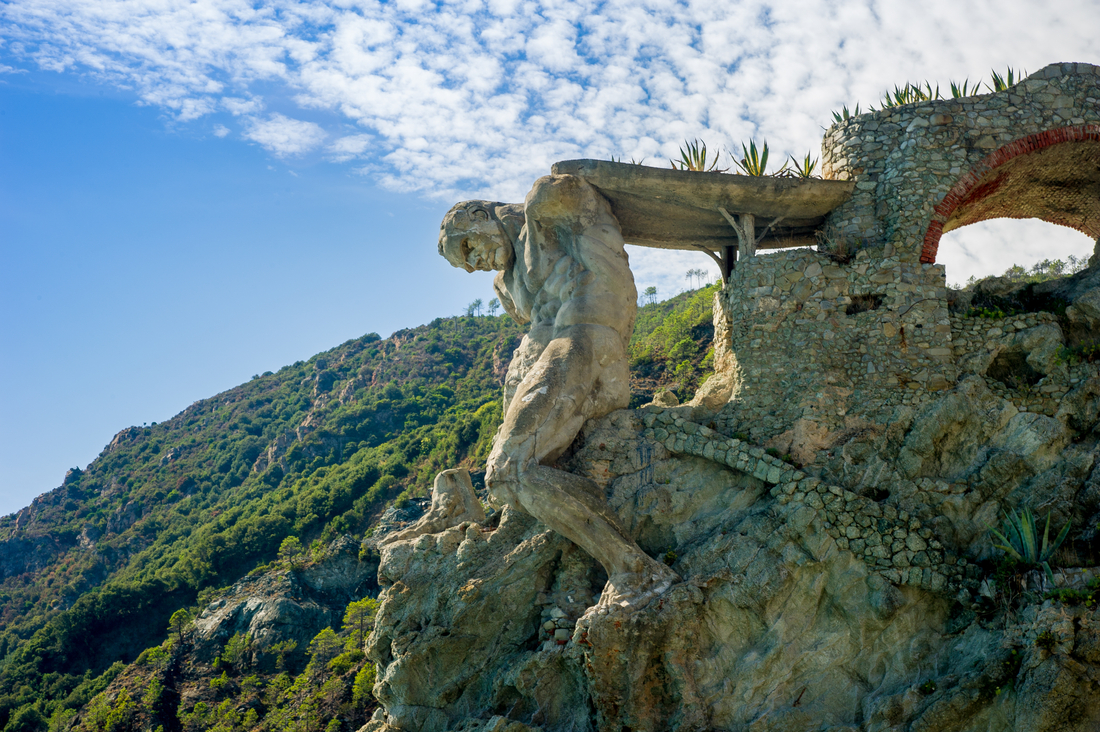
x: 284, y: 136
x: 461, y: 98
x: 477, y: 96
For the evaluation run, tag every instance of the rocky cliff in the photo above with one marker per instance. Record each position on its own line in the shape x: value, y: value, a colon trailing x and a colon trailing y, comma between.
x: 842, y: 580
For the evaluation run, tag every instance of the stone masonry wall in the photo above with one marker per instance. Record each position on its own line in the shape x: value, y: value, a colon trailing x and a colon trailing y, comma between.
x: 977, y: 341
x: 819, y: 340
x: 915, y: 164
x: 889, y: 541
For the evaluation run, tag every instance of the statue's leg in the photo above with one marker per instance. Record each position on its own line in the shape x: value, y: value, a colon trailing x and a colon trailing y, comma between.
x: 579, y: 376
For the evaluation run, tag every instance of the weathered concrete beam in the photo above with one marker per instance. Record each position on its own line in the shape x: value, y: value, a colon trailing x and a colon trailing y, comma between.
x: 677, y: 209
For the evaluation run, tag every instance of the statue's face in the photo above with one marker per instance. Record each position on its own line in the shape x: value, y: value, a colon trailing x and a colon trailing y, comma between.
x: 472, y: 238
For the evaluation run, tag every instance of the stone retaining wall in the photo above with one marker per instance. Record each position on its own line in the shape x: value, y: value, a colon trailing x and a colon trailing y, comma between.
x: 976, y: 341
x: 889, y: 541
x: 816, y: 339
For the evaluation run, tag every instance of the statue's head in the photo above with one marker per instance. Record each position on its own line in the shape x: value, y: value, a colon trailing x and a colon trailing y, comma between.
x: 472, y: 237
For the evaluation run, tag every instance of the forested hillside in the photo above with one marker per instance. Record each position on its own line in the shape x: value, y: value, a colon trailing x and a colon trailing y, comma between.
x: 170, y: 516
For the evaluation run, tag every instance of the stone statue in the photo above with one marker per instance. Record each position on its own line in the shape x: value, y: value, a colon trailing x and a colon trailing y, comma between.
x: 562, y: 267
x: 453, y: 501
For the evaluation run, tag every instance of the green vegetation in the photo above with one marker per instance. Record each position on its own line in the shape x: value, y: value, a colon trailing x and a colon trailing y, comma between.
x: 844, y: 114
x: 1020, y: 540
x: 119, y: 560
x: 1046, y: 641
x: 1081, y: 353
x: 1089, y: 596
x: 754, y: 162
x: 913, y: 93
x: 672, y: 345
x: 804, y: 168
x: 1000, y: 83
x: 1004, y: 676
x: 169, y: 513
x: 693, y: 156
x: 1044, y: 271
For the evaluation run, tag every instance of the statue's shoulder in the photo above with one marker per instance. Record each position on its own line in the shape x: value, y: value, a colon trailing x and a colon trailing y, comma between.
x: 568, y: 199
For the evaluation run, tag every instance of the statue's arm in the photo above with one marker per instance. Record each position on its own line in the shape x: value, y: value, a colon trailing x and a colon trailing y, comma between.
x: 506, y: 300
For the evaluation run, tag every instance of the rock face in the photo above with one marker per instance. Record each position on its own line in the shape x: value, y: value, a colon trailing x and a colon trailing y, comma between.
x: 854, y: 590
x: 776, y: 627
x: 284, y: 606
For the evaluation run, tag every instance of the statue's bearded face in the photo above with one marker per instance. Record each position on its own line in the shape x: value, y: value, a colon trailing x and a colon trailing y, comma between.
x: 472, y: 238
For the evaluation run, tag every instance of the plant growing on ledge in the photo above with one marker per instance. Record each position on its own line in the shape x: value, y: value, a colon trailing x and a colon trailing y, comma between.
x: 964, y: 90
x: 755, y: 162
x: 910, y: 93
x: 694, y: 158
x: 1000, y: 83
x: 1020, y: 540
x: 844, y: 114
x: 803, y: 169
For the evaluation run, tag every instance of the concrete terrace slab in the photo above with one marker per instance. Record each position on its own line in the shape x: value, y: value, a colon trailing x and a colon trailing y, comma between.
x: 678, y: 209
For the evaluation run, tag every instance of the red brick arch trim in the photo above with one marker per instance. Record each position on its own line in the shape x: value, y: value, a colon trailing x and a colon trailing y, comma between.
x: 962, y: 188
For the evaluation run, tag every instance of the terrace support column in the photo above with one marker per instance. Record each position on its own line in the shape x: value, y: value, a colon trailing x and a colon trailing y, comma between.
x: 745, y: 226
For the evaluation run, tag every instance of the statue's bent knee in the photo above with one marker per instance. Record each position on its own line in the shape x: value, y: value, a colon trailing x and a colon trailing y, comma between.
x: 503, y: 482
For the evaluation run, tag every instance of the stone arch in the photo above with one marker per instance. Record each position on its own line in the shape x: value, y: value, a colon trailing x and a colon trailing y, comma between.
x: 1053, y: 175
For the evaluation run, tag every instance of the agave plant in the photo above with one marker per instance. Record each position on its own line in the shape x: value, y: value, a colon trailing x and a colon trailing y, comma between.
x: 1000, y: 83
x: 910, y: 93
x: 755, y: 162
x: 1020, y: 540
x: 845, y: 114
x: 694, y: 158
x: 632, y: 160
x: 963, y: 90
x: 803, y: 169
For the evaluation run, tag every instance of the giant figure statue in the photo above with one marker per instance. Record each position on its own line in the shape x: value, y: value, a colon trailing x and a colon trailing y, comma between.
x: 562, y: 267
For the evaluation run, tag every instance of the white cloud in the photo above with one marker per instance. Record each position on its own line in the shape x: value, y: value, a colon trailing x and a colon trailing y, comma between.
x: 220, y: 130
x: 347, y: 148
x: 284, y: 136
x: 237, y: 106
x: 462, y: 98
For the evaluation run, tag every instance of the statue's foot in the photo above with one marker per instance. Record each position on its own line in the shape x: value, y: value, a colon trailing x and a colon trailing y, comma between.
x: 630, y: 591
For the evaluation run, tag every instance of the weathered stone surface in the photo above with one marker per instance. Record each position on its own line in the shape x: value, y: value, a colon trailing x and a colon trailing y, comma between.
x: 453, y: 501
x: 777, y: 623
x: 285, y: 605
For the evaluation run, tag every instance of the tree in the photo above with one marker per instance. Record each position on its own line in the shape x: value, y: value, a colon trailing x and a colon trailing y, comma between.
x: 27, y: 719
x: 474, y: 308
x: 650, y: 293
x: 359, y: 621
x: 291, y: 550
x: 281, y: 651
x: 324, y: 647
x: 238, y: 651
x: 179, y: 623
x: 494, y: 305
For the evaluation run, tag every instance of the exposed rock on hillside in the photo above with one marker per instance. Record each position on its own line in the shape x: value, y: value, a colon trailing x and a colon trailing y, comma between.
x: 277, y: 607
x: 782, y: 623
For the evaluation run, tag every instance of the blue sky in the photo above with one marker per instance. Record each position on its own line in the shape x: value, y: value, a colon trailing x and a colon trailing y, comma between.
x: 194, y: 192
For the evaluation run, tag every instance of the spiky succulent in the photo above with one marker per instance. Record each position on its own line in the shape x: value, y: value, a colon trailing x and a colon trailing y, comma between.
x: 693, y: 156
x: 1020, y: 540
